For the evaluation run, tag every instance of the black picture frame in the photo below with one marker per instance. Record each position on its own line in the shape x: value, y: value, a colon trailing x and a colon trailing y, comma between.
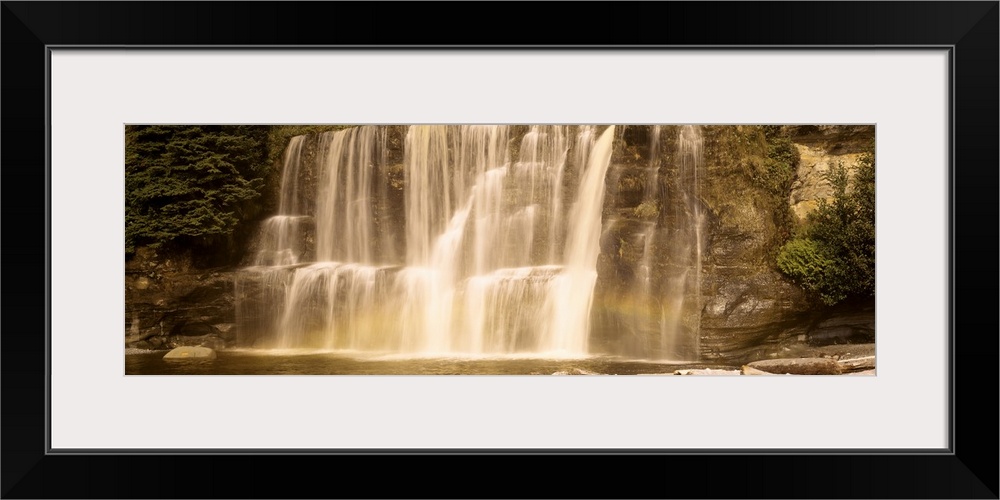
x: 968, y: 470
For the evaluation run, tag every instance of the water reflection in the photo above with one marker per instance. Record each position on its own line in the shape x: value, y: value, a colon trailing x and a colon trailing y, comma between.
x: 251, y: 362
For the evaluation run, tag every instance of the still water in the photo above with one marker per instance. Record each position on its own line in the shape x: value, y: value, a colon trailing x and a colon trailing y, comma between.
x: 251, y: 362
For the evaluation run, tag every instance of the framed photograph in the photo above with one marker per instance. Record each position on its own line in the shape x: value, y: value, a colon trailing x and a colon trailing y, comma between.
x: 335, y: 248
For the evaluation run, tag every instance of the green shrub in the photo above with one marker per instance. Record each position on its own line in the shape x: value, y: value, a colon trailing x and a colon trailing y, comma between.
x: 835, y: 254
x: 813, y: 266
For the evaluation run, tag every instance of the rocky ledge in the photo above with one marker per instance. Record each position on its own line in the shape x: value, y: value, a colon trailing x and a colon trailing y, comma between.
x: 170, y: 304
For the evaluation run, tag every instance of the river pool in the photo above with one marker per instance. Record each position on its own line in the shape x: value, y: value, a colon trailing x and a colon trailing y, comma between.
x: 261, y: 362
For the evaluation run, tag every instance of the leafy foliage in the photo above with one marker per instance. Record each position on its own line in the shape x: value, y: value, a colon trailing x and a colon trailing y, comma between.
x: 756, y: 163
x: 813, y: 265
x: 835, y: 254
x: 191, y: 183
x: 776, y: 177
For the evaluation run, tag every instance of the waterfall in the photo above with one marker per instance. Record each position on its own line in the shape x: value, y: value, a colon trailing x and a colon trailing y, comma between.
x: 493, y: 249
x: 575, y: 288
x: 680, y: 310
x: 280, y: 238
x: 650, y: 201
x: 350, y: 161
x: 655, y: 311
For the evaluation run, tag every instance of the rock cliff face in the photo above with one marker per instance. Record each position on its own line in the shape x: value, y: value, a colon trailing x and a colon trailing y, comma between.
x: 821, y: 148
x: 749, y: 307
x: 686, y: 269
x: 170, y: 303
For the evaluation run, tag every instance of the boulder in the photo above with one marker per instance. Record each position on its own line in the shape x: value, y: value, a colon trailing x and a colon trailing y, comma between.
x: 190, y: 352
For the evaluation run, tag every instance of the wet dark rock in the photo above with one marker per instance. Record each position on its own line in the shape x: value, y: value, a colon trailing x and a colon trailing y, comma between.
x: 181, y: 302
x: 845, y: 326
x: 226, y: 331
x: 188, y: 328
x: 212, y: 341
x: 748, y: 306
x: 158, y: 342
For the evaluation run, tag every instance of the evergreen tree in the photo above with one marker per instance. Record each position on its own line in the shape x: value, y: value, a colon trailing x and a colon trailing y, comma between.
x: 191, y: 184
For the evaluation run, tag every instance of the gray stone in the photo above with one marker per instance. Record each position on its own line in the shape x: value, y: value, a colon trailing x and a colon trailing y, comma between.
x: 190, y: 352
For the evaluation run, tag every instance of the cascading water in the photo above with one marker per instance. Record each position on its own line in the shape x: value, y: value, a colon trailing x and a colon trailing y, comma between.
x: 655, y: 313
x: 650, y: 199
x: 500, y: 253
x: 680, y: 310
x: 280, y: 240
